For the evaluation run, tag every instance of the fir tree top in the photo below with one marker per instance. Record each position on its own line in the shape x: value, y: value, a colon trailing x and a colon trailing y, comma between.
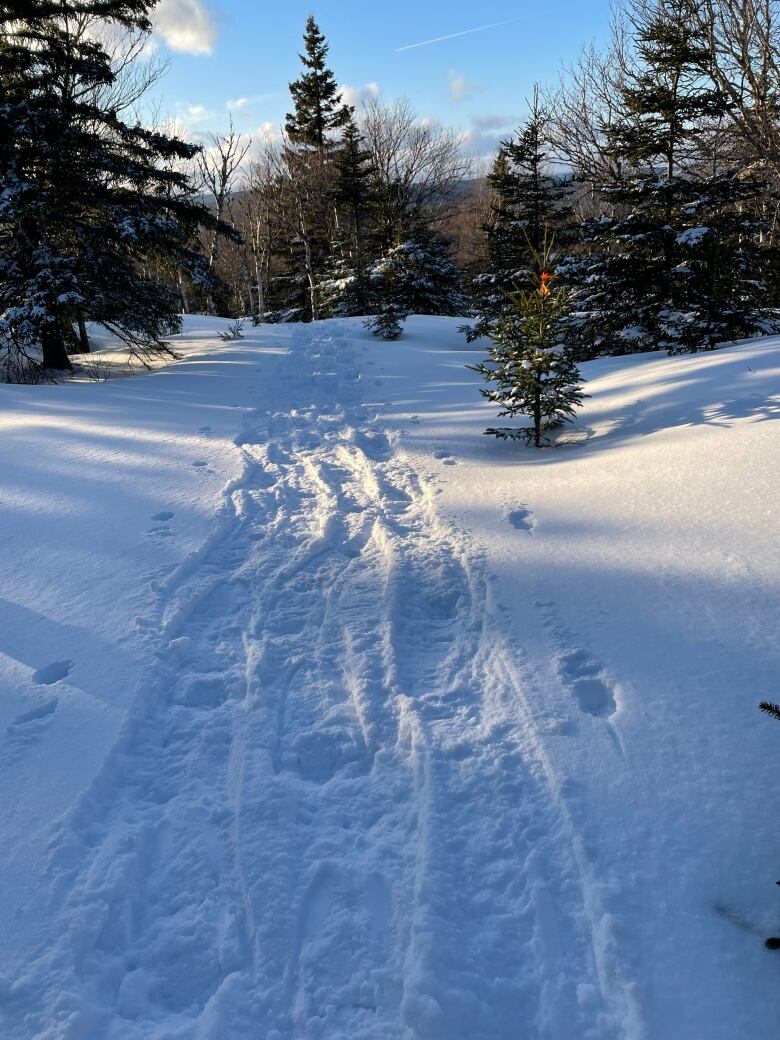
x: 318, y: 106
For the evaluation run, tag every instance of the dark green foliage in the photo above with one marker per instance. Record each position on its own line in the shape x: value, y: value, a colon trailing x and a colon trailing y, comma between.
x: 532, y: 369
x: 529, y: 200
x: 319, y: 110
x: 419, y: 276
x: 319, y: 160
x: 388, y: 323
x: 416, y: 277
x: 676, y: 262
x: 92, y: 212
x: 345, y: 290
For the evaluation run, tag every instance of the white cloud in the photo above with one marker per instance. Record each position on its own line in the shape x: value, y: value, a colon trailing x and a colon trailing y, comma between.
x: 268, y: 135
x: 192, y: 115
x: 185, y: 25
x: 244, y: 106
x: 461, y: 88
x: 357, y: 96
x: 486, y: 132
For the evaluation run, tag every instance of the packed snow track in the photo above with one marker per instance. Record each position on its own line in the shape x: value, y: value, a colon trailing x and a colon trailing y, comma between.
x: 328, y: 814
x: 322, y: 715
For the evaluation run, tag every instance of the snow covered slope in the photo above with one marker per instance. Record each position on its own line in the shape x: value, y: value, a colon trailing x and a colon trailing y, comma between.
x: 323, y: 715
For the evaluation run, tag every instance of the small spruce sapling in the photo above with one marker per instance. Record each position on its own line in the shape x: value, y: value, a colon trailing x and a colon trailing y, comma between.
x: 531, y: 367
x: 233, y: 331
x: 392, y: 311
x: 388, y: 324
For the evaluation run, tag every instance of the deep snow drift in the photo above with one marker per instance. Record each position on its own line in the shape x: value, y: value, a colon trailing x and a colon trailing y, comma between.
x: 323, y: 715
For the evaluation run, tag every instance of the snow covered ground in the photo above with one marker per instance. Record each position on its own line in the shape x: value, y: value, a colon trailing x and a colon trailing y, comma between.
x: 323, y: 715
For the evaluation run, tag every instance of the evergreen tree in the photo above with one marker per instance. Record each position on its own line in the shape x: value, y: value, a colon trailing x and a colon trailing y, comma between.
x: 528, y: 360
x: 388, y: 322
x: 528, y: 200
x: 90, y: 204
x: 306, y: 253
x: 319, y: 110
x: 415, y: 277
x: 345, y: 288
x: 419, y: 276
x: 677, y: 263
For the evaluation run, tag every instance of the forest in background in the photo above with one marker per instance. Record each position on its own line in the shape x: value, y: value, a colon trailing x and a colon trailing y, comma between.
x: 651, y: 166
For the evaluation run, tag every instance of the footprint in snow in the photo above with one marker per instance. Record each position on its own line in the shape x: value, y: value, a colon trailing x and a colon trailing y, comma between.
x: 522, y: 519
x: 27, y: 727
x: 445, y: 457
x: 52, y: 673
x: 162, y: 519
x: 594, y: 693
x: 200, y: 464
x: 204, y: 431
x: 201, y: 691
x: 375, y: 445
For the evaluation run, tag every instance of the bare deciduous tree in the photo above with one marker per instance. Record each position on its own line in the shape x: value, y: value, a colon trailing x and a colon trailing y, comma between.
x: 744, y: 38
x: 219, y: 166
x: 422, y: 165
x: 584, y: 107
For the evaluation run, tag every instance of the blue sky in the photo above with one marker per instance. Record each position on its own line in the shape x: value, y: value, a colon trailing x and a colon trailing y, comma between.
x: 248, y: 52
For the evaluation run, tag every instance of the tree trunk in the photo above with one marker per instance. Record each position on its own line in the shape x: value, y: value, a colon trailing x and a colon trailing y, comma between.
x: 310, y: 275
x: 260, y: 295
x: 185, y: 303
x: 83, y: 336
x: 55, y: 353
x: 537, y: 419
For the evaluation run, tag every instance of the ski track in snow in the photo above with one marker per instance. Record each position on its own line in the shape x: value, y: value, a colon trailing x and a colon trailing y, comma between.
x: 329, y: 814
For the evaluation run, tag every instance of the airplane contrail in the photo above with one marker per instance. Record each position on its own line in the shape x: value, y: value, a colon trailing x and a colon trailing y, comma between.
x: 452, y: 36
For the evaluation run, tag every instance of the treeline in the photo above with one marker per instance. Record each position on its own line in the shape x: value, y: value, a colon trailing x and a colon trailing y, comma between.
x: 653, y: 165
x: 652, y: 168
x: 346, y: 215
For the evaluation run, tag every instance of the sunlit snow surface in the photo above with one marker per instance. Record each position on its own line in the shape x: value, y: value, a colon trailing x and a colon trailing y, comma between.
x: 323, y: 715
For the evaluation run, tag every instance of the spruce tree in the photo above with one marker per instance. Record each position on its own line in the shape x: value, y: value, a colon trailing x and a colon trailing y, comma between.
x: 313, y: 132
x: 419, y: 276
x: 91, y: 205
x: 676, y: 261
x: 388, y: 322
x: 319, y: 110
x: 345, y: 289
x: 529, y: 363
x: 529, y: 199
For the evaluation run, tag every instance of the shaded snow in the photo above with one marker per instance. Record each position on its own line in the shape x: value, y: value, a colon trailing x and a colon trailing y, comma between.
x: 325, y: 715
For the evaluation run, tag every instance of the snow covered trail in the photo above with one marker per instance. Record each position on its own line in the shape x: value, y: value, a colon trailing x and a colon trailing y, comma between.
x: 330, y: 812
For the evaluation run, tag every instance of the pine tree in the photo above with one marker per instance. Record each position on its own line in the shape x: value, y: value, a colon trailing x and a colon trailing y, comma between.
x: 419, y: 276
x: 92, y: 209
x: 676, y: 262
x: 415, y: 277
x: 528, y: 360
x: 528, y: 200
x: 319, y: 110
x: 388, y: 323
x: 313, y: 131
x: 345, y: 288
